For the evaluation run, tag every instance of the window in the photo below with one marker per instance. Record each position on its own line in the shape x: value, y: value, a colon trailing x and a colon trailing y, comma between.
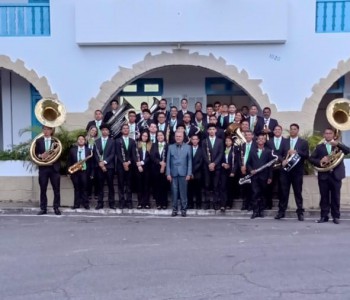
x: 144, y: 87
x: 222, y: 86
x: 332, y: 16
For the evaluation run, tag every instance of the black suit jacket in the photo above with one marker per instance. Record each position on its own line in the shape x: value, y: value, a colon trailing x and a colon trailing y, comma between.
x: 197, y: 163
x: 142, y: 126
x: 259, y: 126
x: 231, y: 160
x: 224, y: 122
x: 272, y: 124
x: 155, y: 116
x: 123, y: 154
x: 321, y: 150
x: 216, y: 152
x: 93, y: 123
x: 227, y: 120
x: 40, y: 149
x: 302, y: 148
x: 271, y: 145
x: 156, y: 158
x: 241, y: 152
x: 254, y: 162
x: 192, y: 131
x: 180, y: 115
x: 107, y: 116
x: 73, y: 156
x: 108, y: 154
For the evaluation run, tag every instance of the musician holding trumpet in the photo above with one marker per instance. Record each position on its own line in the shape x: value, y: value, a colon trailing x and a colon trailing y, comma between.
x: 329, y: 178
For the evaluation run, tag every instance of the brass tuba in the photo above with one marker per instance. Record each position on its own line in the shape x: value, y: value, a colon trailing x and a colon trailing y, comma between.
x: 338, y: 115
x: 234, y: 130
x: 120, y: 117
x: 49, y: 112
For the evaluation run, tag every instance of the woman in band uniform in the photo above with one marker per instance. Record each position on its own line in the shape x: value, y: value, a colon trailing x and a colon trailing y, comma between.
x: 92, y: 180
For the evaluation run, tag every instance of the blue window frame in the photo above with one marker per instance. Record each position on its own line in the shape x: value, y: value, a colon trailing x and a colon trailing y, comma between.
x: 222, y: 86
x: 28, y: 19
x: 332, y: 16
x: 144, y: 87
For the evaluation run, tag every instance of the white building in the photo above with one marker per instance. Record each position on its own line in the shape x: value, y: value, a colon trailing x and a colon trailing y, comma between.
x: 290, y: 55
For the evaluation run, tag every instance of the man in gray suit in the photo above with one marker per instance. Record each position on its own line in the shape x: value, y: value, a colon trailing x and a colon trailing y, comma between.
x: 179, y: 171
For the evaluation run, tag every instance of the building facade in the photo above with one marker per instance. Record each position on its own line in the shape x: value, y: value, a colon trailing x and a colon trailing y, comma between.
x: 290, y: 55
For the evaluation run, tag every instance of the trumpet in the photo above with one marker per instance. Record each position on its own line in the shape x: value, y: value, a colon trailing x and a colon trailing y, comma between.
x: 78, y: 165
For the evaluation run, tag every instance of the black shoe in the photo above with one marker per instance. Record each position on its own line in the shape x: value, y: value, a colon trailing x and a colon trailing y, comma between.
x: 129, y: 206
x: 322, y: 220
x: 254, y: 215
x: 159, y: 207
x: 279, y: 216
x: 139, y: 206
x: 300, y: 217
x: 183, y: 213
x: 112, y: 207
x: 164, y: 207
x: 75, y: 207
x: 42, y: 212
x: 222, y: 209
x: 57, y: 211
x: 336, y: 221
x: 147, y: 207
x: 99, y: 206
x: 261, y: 214
x: 216, y: 207
x: 174, y: 213
x: 87, y: 207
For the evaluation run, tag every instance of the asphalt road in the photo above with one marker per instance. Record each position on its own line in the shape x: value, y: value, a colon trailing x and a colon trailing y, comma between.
x: 90, y: 257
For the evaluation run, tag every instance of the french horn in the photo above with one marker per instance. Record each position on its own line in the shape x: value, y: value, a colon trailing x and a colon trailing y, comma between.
x: 51, y: 113
x: 338, y: 115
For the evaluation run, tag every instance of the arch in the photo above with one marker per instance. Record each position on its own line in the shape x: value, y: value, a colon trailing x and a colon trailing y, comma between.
x: 179, y: 57
x: 18, y: 67
x: 312, y: 103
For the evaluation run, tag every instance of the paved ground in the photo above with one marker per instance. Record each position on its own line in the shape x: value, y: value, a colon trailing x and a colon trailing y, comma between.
x: 115, y: 257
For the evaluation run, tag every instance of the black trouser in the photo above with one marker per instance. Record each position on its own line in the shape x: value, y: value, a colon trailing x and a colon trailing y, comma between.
x: 272, y: 188
x: 194, y: 191
x: 80, y: 180
x: 330, y: 196
x: 124, y: 187
x: 224, y: 187
x: 93, y: 183
x: 294, y: 179
x: 102, y: 178
x: 160, y: 189
x: 247, y: 196
x: 259, y: 186
x: 143, y: 188
x: 212, y: 180
x: 45, y: 174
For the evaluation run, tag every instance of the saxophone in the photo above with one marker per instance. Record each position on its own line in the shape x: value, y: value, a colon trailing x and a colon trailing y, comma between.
x: 78, y: 165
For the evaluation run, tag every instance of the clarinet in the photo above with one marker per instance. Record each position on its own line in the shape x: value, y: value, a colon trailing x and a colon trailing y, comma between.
x: 208, y: 153
x: 100, y: 158
x: 123, y: 155
x: 162, y: 168
x: 233, y: 159
x: 138, y: 158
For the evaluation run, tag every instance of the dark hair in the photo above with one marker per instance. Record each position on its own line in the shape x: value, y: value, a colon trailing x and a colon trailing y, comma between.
x: 180, y: 125
x: 173, y: 107
x: 217, y: 102
x: 254, y: 105
x: 161, y: 113
x: 103, y: 126
x: 329, y: 128
x: 148, y: 136
x: 162, y: 132
x: 131, y: 112
x: 211, y: 125
x: 278, y: 126
x: 249, y: 131
x: 198, y: 102
x: 147, y: 111
x: 244, y: 120
x: 209, y: 105
x: 244, y: 106
x: 80, y: 135
x: 195, y: 135
x: 125, y: 125
x: 198, y: 112
x: 114, y: 100
x: 98, y: 110
x: 187, y: 114
x: 267, y: 108
x: 163, y: 99
x: 295, y: 125
x: 183, y: 99
x: 143, y: 103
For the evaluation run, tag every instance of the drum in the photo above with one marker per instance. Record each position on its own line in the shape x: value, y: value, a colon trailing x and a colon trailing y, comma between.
x: 292, y: 162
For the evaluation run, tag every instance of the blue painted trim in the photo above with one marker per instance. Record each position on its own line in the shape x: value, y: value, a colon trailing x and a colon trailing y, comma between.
x: 230, y: 88
x: 140, y: 91
x: 32, y: 19
x: 332, y: 16
x: 340, y: 88
x: 35, y: 97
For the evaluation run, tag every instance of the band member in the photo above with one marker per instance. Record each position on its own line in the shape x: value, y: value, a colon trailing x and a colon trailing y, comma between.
x: 104, y: 154
x: 245, y: 112
x: 97, y: 122
x: 183, y: 110
x: 133, y: 130
x: 229, y: 167
x: 238, y: 117
x: 114, y: 107
x: 213, y: 152
x: 217, y: 106
x: 143, y: 164
x: 246, y: 150
x: 190, y: 129
x: 230, y: 118
x: 77, y: 154
x: 277, y: 144
x: 197, y: 107
x: 220, y: 133
x: 294, y: 145
x: 125, y: 150
x: 43, y: 146
x: 145, y: 122
x: 257, y: 159
x: 139, y: 116
x: 255, y: 122
x: 162, y: 109
x: 268, y: 124
x: 159, y: 153
x: 172, y: 124
x: 162, y: 124
x: 222, y: 123
x: 195, y: 183
x: 245, y: 127
x: 199, y: 122
x: 179, y: 171
x: 92, y: 180
x: 153, y: 132
x: 329, y: 182
x: 209, y: 112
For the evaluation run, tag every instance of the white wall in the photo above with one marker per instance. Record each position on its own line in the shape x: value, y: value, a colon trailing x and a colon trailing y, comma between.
x: 288, y: 71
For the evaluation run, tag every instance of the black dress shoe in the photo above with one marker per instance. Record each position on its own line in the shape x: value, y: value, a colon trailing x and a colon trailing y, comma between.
x: 87, y: 207
x: 139, y: 206
x: 75, y: 207
x: 164, y: 207
x: 112, y: 207
x: 300, y: 217
x: 147, y: 206
x: 222, y: 209
x: 254, y: 215
x: 57, y: 211
x: 279, y: 216
x: 174, y: 213
x: 99, y: 206
x: 183, y: 213
x: 336, y: 221
x: 42, y: 212
x: 159, y: 207
x: 322, y: 220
